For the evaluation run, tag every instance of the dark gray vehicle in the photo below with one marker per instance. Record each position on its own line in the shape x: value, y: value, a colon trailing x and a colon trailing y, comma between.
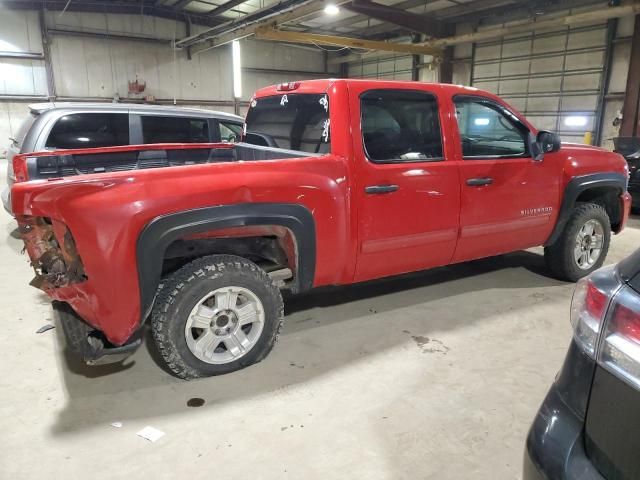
x: 588, y: 426
x: 53, y: 126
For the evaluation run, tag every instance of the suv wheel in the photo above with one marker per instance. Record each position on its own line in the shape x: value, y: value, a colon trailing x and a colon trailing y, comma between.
x: 583, y: 245
x: 216, y: 315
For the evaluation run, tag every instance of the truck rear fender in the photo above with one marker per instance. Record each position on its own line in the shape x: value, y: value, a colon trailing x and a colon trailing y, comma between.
x: 293, y: 225
x: 601, y: 188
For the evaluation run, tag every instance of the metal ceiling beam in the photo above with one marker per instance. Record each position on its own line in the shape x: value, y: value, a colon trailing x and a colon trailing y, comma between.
x: 497, y: 12
x: 539, y: 24
x: 248, y: 30
x: 315, y: 39
x: 452, y: 11
x: 281, y: 8
x: 113, y: 6
x: 411, y: 21
x: 178, y: 6
x: 225, y: 7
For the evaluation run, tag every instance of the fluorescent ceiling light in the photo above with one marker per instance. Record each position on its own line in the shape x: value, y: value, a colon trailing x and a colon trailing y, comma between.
x: 575, y: 121
x: 237, y: 69
x: 481, y: 121
x: 331, y: 9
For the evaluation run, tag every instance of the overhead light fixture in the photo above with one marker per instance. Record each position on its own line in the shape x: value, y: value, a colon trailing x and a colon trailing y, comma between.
x: 575, y: 121
x: 331, y: 9
x: 237, y: 69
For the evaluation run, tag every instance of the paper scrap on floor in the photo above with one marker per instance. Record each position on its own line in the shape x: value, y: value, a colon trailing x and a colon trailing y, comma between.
x: 150, y: 433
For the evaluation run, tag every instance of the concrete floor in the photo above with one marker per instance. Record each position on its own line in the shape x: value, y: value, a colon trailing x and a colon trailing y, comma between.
x: 432, y: 375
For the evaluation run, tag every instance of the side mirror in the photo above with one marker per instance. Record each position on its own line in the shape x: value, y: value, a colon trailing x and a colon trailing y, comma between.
x: 546, y: 142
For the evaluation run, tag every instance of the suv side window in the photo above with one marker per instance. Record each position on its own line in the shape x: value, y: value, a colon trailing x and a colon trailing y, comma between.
x: 159, y: 129
x: 488, y: 130
x: 400, y: 126
x: 230, y: 132
x: 89, y: 130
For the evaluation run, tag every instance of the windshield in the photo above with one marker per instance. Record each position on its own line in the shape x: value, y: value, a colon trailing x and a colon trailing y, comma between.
x: 291, y: 121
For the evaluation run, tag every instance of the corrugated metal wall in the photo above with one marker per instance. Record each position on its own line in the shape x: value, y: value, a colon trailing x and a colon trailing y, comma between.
x: 99, y: 68
x: 553, y: 75
x: 19, y: 32
x: 384, y: 66
x: 393, y: 67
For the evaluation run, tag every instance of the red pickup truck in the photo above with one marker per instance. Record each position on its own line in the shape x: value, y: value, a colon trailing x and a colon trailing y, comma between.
x: 336, y: 182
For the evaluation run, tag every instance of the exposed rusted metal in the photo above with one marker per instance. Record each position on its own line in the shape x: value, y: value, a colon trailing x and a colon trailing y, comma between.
x: 272, y: 243
x: 52, y: 251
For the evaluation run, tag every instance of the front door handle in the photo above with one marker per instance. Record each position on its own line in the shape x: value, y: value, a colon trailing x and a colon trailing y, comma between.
x: 376, y: 189
x: 479, y: 182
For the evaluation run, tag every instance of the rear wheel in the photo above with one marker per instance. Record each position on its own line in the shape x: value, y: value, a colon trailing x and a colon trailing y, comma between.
x: 215, y: 315
x: 583, y: 244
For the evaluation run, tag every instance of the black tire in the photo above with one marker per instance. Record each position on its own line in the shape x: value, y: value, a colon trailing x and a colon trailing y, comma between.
x: 559, y: 256
x: 182, y: 291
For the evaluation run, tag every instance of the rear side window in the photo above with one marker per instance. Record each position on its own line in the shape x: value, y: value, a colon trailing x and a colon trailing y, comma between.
x: 89, y: 130
x: 400, y: 126
x: 156, y: 129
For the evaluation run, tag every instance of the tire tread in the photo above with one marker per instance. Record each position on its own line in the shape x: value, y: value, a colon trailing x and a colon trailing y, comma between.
x: 181, y: 280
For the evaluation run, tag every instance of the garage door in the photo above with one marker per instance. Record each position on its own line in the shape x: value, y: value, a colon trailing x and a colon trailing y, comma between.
x: 553, y: 77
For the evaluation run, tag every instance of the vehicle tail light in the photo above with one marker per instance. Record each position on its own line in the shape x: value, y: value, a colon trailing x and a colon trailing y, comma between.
x: 620, y: 346
x: 588, y: 307
x: 287, y: 86
x: 20, y: 171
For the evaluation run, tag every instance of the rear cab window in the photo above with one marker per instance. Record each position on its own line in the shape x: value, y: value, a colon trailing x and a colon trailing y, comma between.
x: 290, y: 121
x: 89, y: 130
x: 400, y: 126
x: 174, y: 129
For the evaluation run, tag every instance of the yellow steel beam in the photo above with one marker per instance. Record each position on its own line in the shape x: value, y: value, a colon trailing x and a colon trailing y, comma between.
x: 316, y: 39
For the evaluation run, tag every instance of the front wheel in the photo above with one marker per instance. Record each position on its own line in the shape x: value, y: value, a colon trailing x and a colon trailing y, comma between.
x: 216, y: 315
x: 583, y: 244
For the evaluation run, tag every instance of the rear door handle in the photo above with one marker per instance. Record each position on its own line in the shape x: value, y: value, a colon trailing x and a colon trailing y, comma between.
x: 479, y: 182
x: 376, y: 189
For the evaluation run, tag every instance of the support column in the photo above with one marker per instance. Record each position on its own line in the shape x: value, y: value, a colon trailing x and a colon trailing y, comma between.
x: 630, y: 110
x: 51, y: 84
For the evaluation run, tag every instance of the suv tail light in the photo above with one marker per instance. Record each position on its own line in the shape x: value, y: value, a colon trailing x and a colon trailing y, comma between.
x: 588, y: 307
x: 20, y: 170
x: 619, y: 350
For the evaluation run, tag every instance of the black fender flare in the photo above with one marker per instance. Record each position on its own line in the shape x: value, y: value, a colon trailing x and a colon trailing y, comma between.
x: 577, y: 186
x: 160, y: 232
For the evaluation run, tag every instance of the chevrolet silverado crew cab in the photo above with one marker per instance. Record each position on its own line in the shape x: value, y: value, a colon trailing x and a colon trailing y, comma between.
x: 336, y: 182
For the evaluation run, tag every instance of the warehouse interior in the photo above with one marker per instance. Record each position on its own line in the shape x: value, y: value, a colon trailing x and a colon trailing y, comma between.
x: 431, y: 374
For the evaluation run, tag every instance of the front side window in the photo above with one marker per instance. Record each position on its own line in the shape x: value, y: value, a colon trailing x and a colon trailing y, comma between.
x: 230, y: 132
x: 487, y: 130
x: 291, y: 121
x: 158, y: 129
x: 400, y: 126
x: 90, y: 130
